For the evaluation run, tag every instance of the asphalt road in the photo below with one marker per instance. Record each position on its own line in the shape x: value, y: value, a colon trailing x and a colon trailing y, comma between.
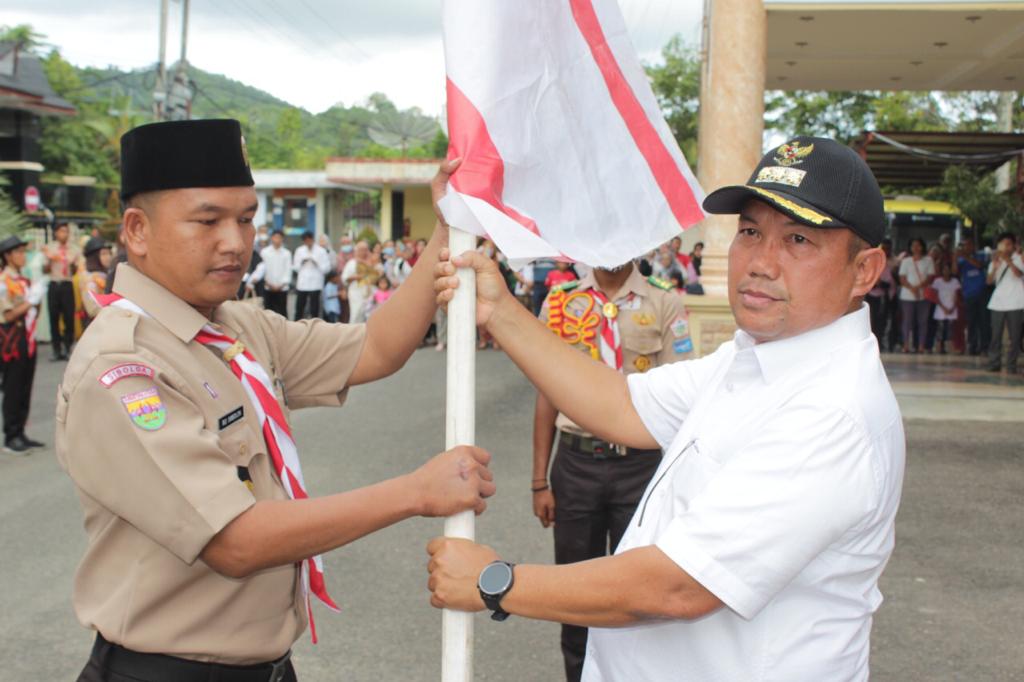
x: 953, y: 608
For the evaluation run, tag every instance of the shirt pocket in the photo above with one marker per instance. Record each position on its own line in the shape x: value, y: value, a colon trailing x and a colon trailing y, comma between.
x: 247, y: 451
x: 692, y: 475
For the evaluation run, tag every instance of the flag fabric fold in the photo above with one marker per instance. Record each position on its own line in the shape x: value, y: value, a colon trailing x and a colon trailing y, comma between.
x: 565, y: 151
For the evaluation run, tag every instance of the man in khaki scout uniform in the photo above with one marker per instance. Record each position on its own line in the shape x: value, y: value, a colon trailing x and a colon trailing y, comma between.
x: 172, y: 422
x: 61, y: 261
x: 595, y: 485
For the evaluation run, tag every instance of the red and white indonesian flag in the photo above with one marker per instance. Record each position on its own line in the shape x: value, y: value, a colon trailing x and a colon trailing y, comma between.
x: 565, y: 151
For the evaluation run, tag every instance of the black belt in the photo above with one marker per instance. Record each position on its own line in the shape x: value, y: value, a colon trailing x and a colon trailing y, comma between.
x: 597, y: 448
x: 161, y: 668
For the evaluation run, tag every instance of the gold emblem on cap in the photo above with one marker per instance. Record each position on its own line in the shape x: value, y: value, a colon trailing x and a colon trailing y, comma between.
x: 610, y: 310
x: 642, y: 363
x: 792, y: 154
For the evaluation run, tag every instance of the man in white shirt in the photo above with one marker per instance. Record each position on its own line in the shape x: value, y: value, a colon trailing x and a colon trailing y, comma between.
x: 311, y: 265
x: 1006, y: 307
x: 756, y: 549
x: 275, y: 270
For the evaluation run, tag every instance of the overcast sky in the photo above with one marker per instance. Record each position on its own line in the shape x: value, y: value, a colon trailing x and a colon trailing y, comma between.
x: 312, y: 53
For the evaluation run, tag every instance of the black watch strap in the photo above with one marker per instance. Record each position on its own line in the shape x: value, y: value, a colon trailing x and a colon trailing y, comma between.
x: 493, y: 601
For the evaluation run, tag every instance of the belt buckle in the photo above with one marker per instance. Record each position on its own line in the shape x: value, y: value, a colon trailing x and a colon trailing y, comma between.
x: 620, y: 450
x: 279, y: 667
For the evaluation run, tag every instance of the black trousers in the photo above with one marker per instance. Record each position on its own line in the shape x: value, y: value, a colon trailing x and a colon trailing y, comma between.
x: 594, y: 502
x: 304, y: 299
x: 979, y: 330
x: 104, y: 666
x: 60, y: 299
x: 276, y: 301
x: 17, y: 383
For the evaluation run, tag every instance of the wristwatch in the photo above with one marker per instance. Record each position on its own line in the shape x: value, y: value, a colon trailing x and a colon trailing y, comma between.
x: 494, y: 583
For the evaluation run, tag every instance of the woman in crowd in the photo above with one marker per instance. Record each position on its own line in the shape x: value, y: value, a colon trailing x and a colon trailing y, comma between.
x: 916, y: 273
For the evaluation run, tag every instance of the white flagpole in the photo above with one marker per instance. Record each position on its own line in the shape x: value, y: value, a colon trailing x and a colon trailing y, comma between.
x: 460, y: 429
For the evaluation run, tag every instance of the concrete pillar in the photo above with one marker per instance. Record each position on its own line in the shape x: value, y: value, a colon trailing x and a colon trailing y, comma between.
x: 731, y: 117
x: 321, y: 212
x: 728, y: 146
x: 384, y: 229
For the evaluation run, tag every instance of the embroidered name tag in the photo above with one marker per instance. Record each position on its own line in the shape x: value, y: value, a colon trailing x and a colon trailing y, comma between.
x: 230, y: 418
x: 123, y: 371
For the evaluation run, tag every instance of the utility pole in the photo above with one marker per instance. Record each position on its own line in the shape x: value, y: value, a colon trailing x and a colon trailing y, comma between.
x: 160, y: 91
x: 179, y: 101
x: 172, y: 98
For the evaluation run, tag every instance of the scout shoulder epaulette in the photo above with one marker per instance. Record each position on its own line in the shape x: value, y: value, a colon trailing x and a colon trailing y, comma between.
x: 660, y: 283
x: 566, y: 286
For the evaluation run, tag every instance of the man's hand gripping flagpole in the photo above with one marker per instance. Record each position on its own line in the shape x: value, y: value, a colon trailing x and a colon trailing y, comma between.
x: 460, y: 424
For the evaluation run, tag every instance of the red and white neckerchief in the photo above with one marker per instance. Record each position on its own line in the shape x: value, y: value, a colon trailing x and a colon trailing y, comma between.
x: 280, y: 445
x: 18, y: 285
x: 610, y: 341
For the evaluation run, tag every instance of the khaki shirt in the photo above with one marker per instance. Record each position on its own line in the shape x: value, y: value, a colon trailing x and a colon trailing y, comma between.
x: 60, y: 271
x: 91, y: 283
x: 13, y: 290
x: 653, y: 326
x: 157, y: 435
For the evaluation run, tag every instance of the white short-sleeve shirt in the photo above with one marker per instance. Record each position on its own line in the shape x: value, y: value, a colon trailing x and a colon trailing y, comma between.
x: 778, y: 491
x: 1009, y: 291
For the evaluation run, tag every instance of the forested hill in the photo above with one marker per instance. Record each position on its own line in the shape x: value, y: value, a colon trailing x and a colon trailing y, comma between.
x: 278, y: 134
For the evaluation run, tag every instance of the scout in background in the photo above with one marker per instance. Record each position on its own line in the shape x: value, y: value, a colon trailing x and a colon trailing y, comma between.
x: 61, y: 262
x: 93, y: 280
x: 19, y: 304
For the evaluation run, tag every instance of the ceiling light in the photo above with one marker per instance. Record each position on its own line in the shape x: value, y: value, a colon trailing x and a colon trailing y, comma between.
x: 916, y: 62
x: 790, y: 63
x: 800, y: 43
x: 973, y: 18
x: 940, y: 44
x: 807, y: 18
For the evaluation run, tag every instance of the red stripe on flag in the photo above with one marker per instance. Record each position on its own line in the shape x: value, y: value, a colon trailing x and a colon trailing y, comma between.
x: 482, y: 173
x: 677, y: 191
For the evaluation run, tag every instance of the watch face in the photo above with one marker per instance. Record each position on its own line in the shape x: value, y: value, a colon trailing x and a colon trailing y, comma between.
x: 496, y: 578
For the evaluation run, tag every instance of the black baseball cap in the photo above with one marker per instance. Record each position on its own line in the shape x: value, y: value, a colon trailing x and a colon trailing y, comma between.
x: 817, y: 182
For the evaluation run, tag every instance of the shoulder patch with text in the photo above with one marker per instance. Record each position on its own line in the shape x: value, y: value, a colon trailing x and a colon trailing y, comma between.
x: 125, y: 370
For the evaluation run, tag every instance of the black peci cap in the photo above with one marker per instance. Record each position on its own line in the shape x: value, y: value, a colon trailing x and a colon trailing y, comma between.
x: 815, y: 181
x: 179, y: 154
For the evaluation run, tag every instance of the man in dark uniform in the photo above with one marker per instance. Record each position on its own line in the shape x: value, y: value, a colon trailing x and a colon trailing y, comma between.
x: 632, y: 324
x: 173, y: 423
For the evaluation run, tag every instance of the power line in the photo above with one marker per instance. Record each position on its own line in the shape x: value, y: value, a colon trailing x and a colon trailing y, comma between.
x: 331, y: 26
x: 301, y: 33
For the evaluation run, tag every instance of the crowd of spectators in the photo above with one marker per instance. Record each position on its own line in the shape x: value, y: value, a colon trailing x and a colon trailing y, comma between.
x: 939, y: 298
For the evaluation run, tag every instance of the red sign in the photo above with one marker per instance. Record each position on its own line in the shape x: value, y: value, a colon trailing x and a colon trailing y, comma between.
x: 31, y: 199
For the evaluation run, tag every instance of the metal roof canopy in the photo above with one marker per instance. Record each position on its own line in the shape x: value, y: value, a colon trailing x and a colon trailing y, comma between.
x: 898, y: 167
x: 895, y: 45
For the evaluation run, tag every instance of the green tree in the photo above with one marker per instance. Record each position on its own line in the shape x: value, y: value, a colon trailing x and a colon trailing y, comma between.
x: 676, y: 85
x: 974, y: 193
x: 25, y: 36
x: 72, y: 145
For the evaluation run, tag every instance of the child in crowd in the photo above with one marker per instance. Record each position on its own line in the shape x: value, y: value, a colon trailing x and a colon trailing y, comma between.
x: 332, y: 297
x: 948, y: 289
x: 560, y: 275
x: 381, y: 294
